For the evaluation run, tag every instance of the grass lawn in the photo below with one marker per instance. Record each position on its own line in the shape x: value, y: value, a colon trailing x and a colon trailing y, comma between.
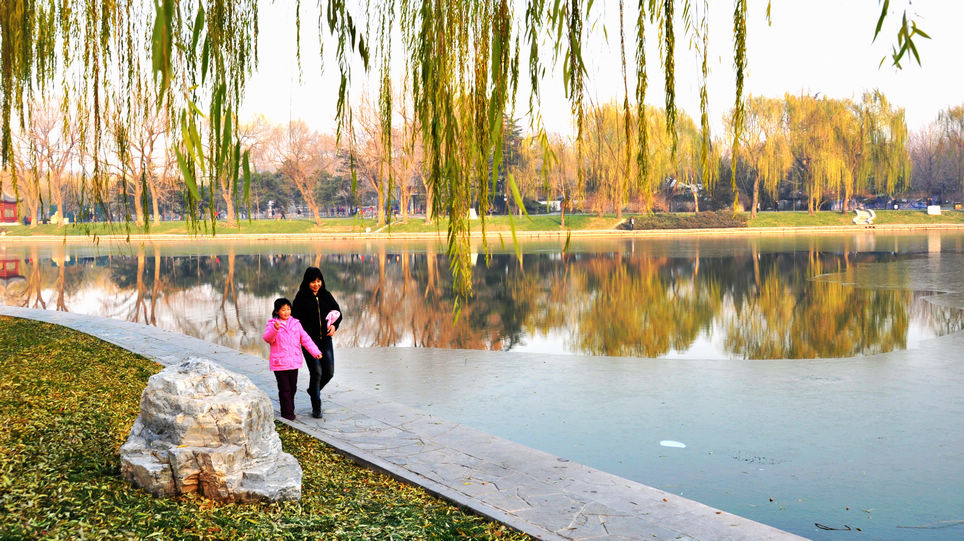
x: 298, y: 226
x: 67, y: 403
x: 829, y: 218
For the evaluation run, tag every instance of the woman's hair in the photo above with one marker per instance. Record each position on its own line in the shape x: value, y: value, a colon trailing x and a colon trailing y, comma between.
x: 278, y: 303
x: 311, y: 274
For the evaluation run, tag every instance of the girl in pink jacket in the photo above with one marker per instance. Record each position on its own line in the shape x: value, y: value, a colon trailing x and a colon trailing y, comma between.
x: 286, y: 337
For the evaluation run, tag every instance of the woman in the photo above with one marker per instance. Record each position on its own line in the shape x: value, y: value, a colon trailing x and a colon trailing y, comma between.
x: 320, y: 316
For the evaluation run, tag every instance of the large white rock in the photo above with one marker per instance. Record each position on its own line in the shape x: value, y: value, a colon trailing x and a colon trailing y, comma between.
x: 205, y: 429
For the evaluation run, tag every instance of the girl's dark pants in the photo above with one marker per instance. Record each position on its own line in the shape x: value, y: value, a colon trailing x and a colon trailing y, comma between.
x: 287, y: 386
x: 321, y: 371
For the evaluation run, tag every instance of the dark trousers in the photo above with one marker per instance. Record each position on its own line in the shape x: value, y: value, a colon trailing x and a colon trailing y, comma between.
x: 287, y: 386
x: 320, y: 372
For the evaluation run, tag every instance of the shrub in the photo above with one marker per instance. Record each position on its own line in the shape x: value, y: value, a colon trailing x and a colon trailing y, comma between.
x: 703, y: 220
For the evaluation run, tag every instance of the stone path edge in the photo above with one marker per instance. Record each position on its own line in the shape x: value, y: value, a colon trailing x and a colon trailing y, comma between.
x: 439, y: 490
x: 631, y: 508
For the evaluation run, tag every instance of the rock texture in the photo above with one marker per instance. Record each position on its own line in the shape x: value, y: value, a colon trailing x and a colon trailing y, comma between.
x: 207, y: 430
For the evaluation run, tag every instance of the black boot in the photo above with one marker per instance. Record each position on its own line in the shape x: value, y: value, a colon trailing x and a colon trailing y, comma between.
x: 316, y: 407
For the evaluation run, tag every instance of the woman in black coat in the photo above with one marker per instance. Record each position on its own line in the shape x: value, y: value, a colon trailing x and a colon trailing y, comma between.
x: 313, y: 307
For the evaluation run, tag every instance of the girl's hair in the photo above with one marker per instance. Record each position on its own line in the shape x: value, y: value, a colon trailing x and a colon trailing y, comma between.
x: 311, y: 274
x: 278, y: 303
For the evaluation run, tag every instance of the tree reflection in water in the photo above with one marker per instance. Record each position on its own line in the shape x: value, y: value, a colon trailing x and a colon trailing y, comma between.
x: 805, y: 301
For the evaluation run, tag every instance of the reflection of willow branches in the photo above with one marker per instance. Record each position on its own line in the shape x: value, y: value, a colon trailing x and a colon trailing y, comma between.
x: 140, y: 303
x: 630, y: 309
x: 387, y: 304
x: 548, y: 293
x: 229, y: 290
x: 155, y: 287
x: 391, y: 302
x: 34, y: 281
x: 797, y: 318
x: 939, y: 319
x: 61, y: 260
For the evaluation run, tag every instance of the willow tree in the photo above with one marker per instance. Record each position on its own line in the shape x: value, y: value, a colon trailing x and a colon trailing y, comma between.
x: 608, y: 171
x: 847, y: 159
x: 818, y: 164
x: 464, y: 58
x: 659, y: 164
x: 886, y: 143
x: 767, y: 145
x: 697, y: 162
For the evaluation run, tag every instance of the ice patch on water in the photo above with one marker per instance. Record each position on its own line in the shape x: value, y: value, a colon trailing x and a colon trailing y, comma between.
x: 671, y: 443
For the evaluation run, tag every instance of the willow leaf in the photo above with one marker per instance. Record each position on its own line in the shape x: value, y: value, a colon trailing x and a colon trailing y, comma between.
x: 188, y: 174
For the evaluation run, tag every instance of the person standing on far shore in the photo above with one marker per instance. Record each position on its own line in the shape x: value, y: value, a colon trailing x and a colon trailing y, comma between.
x: 320, y: 315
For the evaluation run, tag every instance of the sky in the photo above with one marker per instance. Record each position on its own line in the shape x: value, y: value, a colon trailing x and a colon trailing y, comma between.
x: 818, y: 47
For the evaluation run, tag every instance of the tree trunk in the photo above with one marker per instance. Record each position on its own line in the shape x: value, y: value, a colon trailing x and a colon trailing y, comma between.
x: 32, y: 212
x: 154, y: 204
x: 428, y: 205
x: 59, y: 200
x: 380, y: 204
x: 756, y: 196
x: 696, y: 201
x: 232, y: 220
x: 403, y: 199
x: 138, y: 208
x: 313, y: 207
x: 562, y: 212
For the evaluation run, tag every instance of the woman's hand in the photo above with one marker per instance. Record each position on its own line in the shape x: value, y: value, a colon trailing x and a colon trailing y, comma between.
x: 331, y: 330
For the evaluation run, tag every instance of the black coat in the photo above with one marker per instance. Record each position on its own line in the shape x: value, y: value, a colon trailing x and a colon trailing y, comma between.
x: 311, y: 310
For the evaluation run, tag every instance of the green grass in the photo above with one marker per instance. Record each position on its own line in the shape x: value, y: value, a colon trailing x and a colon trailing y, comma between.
x: 828, y: 218
x: 67, y: 402
x: 298, y: 226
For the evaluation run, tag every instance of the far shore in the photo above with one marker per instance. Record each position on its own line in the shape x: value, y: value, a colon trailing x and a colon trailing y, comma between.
x: 498, y: 228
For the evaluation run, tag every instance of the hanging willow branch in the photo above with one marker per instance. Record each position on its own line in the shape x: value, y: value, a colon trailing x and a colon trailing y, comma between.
x: 739, y: 61
x: 642, y: 158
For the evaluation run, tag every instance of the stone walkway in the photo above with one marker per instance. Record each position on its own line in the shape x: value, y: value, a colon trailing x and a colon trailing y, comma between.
x: 542, y: 495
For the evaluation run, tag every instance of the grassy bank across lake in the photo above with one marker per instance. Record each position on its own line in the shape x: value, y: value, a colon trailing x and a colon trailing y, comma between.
x: 494, y: 224
x: 67, y: 403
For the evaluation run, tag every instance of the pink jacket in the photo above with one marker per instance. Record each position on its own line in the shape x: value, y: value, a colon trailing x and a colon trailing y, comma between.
x: 286, y: 343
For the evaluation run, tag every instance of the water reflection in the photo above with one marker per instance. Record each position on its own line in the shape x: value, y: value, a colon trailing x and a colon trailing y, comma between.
x: 710, y: 298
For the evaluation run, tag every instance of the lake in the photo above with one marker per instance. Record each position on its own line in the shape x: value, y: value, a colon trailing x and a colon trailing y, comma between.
x: 785, y: 364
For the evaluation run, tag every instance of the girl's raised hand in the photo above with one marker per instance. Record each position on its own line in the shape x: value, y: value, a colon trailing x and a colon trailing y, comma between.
x: 331, y: 330
x: 277, y: 325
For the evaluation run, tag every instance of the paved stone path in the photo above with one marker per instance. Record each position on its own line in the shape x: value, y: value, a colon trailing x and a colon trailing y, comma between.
x: 542, y: 495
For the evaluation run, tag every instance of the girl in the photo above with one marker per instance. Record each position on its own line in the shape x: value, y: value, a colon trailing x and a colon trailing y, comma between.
x: 319, y: 313
x: 286, y: 337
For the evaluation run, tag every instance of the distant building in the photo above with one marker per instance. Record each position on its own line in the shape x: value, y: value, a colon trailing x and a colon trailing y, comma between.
x: 8, y: 210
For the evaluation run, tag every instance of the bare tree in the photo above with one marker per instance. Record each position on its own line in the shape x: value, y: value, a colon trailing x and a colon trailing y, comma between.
x: 47, y: 146
x: 561, y: 164
x: 302, y: 156
x: 407, y: 162
x: 370, y: 156
x: 141, y: 138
